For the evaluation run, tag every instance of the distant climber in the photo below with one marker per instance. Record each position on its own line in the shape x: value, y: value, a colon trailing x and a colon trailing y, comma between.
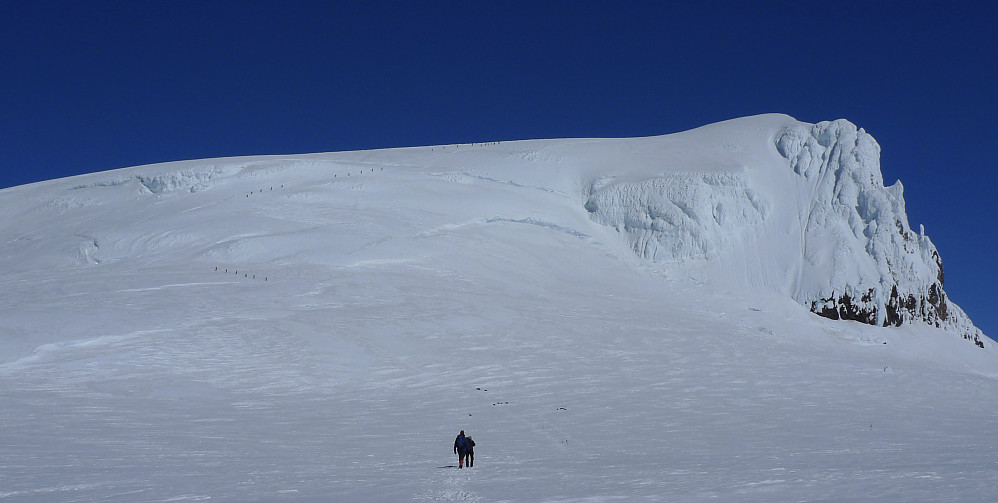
x: 461, y: 447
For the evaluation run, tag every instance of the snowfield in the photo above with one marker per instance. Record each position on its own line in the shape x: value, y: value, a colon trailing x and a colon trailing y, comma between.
x: 610, y: 319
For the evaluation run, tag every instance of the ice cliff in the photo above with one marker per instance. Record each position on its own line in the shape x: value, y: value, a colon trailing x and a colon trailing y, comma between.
x: 810, y: 217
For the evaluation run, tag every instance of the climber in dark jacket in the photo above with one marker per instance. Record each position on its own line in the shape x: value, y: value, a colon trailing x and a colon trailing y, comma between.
x: 461, y: 447
x: 471, y: 452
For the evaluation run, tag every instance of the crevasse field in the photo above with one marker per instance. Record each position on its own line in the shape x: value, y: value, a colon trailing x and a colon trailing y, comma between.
x: 320, y: 327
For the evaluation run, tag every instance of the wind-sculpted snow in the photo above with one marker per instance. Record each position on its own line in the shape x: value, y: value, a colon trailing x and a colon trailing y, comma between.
x: 862, y: 260
x: 811, y: 219
x: 186, y: 179
x: 680, y: 216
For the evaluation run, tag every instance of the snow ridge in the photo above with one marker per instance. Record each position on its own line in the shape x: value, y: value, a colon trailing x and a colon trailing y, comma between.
x: 758, y: 203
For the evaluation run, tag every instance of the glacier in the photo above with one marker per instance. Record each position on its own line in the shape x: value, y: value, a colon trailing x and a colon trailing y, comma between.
x: 738, y: 312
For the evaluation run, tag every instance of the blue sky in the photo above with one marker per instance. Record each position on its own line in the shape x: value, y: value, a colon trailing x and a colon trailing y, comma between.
x: 92, y: 86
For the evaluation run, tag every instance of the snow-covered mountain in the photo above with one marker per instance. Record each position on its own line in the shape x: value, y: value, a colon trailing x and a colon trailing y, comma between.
x: 609, y: 318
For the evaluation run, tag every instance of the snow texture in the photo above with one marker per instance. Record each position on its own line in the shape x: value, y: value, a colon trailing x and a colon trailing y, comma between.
x: 610, y: 319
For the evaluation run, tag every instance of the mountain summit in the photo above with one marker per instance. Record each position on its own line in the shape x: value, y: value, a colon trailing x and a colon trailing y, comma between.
x: 792, y: 207
x: 758, y: 203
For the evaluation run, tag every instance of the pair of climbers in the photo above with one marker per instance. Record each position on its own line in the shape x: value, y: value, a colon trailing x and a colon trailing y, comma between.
x: 464, y: 447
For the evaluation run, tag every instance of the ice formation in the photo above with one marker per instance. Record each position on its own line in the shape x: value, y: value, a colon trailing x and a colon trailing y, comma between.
x: 815, y: 222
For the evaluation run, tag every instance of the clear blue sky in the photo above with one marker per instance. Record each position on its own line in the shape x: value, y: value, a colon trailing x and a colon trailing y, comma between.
x: 92, y: 86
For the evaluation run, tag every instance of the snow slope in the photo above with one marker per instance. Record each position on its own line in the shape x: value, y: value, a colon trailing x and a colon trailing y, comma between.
x: 610, y: 319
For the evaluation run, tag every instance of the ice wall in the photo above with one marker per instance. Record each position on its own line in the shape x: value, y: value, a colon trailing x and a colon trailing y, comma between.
x: 680, y: 216
x: 862, y: 260
x: 815, y: 218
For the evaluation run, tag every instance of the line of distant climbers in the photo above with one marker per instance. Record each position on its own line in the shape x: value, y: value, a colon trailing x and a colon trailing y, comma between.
x: 335, y: 175
x: 459, y: 145
x: 260, y: 191
x: 372, y: 170
x: 236, y: 272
